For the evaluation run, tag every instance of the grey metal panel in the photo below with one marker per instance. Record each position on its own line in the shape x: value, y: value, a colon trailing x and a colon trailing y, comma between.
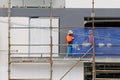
x: 28, y: 12
x: 3, y: 12
x: 68, y: 16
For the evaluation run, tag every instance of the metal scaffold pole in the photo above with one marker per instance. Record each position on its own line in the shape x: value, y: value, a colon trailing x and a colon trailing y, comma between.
x: 93, y: 44
x: 51, y: 43
x: 9, y: 25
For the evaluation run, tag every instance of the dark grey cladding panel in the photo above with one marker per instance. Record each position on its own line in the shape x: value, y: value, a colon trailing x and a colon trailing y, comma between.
x: 107, y: 12
x: 68, y: 16
x: 3, y: 12
x: 27, y: 12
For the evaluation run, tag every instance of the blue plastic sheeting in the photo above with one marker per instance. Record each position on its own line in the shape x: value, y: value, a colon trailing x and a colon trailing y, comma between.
x: 106, y: 42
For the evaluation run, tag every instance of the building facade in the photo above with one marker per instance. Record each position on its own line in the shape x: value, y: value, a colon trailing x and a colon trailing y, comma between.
x: 30, y: 38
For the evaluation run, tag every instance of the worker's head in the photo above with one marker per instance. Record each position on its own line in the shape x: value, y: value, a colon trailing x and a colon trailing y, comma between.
x: 70, y: 32
x: 90, y: 32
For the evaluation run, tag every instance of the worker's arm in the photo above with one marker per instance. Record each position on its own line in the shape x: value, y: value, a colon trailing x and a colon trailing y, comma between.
x: 67, y: 43
x: 72, y: 37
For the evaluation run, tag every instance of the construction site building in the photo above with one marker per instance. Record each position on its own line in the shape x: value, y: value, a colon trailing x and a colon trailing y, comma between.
x: 33, y: 39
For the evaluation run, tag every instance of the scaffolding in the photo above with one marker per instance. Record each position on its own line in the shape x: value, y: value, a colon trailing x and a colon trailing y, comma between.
x: 37, y: 59
x: 51, y: 59
x: 9, y: 25
x: 93, y: 44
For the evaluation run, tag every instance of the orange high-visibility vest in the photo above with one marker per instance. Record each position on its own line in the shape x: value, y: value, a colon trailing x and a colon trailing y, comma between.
x: 69, y: 38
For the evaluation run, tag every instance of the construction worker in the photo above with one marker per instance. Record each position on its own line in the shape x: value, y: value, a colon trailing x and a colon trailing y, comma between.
x: 90, y: 36
x: 69, y: 40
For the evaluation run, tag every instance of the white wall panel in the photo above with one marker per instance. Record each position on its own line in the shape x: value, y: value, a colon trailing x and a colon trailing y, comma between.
x: 77, y: 73
x: 68, y: 3
x: 3, y: 48
x: 33, y: 2
x: 88, y: 3
x: 20, y: 22
x: 19, y: 35
x: 43, y: 22
x: 40, y: 49
x: 36, y: 35
x: 55, y: 36
x: 43, y: 71
x: 78, y: 3
x: 30, y: 71
x: 17, y: 3
x: 38, y: 3
x: 3, y: 3
x: 41, y: 35
x: 3, y: 33
x: 107, y: 3
x: 55, y: 40
x: 19, y: 49
x: 59, y: 3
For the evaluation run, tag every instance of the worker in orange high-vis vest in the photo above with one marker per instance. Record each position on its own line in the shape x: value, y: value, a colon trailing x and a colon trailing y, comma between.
x: 69, y: 40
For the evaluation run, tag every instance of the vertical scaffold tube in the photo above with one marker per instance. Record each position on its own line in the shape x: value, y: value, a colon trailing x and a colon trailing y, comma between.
x: 51, y: 44
x: 93, y: 44
x: 9, y: 25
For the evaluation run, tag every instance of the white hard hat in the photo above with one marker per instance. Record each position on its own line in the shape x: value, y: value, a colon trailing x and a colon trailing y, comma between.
x: 90, y: 32
x: 70, y: 32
